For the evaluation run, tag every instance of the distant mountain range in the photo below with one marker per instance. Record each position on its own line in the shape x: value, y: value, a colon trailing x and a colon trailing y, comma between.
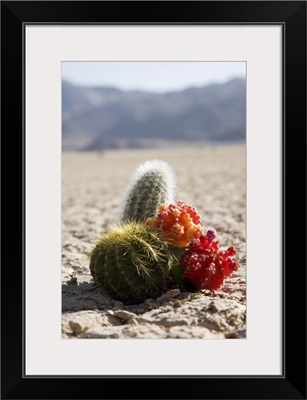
x: 97, y: 118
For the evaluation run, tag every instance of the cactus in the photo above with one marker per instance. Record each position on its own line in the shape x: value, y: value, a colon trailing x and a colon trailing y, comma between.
x: 205, y: 266
x: 131, y: 262
x: 152, y: 185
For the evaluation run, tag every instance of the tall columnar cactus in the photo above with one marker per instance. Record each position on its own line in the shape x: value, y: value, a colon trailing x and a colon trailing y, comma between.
x: 152, y: 185
x: 131, y: 262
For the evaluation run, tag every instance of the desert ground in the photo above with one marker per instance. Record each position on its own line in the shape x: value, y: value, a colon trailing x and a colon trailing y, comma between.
x: 210, y: 178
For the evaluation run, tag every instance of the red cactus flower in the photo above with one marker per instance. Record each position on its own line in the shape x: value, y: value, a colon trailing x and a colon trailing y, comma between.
x: 204, y: 265
x: 178, y: 223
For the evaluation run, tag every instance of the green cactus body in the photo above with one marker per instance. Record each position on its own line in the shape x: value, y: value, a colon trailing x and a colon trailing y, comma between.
x: 152, y: 185
x: 131, y: 262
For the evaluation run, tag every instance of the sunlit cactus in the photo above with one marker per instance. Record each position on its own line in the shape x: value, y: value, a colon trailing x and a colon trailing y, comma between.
x: 131, y: 263
x: 152, y: 185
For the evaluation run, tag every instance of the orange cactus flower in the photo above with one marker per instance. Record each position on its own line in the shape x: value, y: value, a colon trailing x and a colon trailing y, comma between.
x: 179, y: 223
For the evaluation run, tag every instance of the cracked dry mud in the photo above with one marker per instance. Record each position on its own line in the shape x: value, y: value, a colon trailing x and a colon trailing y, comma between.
x: 211, y: 178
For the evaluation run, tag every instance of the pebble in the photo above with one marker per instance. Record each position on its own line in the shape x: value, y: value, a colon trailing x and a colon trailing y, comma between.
x: 73, y: 281
x: 123, y: 314
x: 168, y: 295
x: 76, y: 327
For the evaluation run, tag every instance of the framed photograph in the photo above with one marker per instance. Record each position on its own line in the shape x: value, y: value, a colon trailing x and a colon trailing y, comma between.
x: 163, y: 152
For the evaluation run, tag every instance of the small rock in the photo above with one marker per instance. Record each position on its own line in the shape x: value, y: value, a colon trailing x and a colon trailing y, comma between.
x: 122, y: 314
x: 169, y: 295
x: 237, y: 334
x: 177, y: 304
x: 196, y: 296
x: 168, y: 322
x: 132, y: 321
x: 212, y: 307
x: 76, y: 327
x: 73, y: 281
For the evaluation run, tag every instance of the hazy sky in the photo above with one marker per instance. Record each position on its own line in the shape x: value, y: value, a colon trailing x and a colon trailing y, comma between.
x: 152, y: 76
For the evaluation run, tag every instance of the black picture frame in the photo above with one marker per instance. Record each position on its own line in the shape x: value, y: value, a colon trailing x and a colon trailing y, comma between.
x: 292, y: 16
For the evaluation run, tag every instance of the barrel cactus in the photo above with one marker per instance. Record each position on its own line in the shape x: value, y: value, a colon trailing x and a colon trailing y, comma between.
x: 131, y: 262
x: 152, y: 185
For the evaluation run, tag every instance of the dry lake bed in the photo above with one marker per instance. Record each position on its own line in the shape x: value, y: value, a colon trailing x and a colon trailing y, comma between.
x: 210, y: 178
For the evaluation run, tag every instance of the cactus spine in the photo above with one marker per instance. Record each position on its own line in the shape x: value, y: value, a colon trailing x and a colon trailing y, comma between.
x: 131, y: 262
x: 152, y: 185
